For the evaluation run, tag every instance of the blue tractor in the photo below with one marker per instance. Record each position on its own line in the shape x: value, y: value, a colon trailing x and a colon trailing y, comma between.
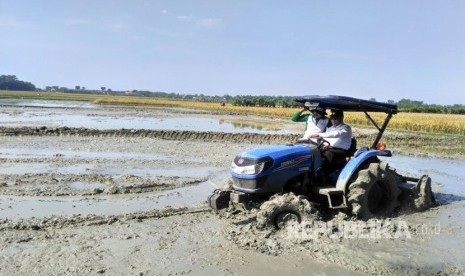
x: 280, y: 180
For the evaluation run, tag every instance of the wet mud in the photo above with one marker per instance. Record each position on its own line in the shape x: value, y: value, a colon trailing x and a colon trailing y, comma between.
x: 77, y: 201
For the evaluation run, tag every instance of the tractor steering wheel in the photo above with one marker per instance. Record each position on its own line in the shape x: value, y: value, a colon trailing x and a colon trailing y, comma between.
x: 322, y: 142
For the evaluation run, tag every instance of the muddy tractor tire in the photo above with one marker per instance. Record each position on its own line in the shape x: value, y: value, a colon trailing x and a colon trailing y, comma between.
x: 424, y: 197
x: 281, y: 210
x: 374, y: 192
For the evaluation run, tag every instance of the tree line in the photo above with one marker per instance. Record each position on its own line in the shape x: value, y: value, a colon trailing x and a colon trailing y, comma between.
x: 406, y: 105
x: 12, y: 83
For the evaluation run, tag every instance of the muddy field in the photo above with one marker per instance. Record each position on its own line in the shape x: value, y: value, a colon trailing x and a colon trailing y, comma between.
x: 78, y: 197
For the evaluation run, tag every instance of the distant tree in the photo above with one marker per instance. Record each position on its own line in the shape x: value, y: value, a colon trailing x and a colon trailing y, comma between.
x: 77, y: 87
x: 405, y: 103
x: 11, y: 82
x: 102, y: 88
x: 237, y: 101
x: 8, y: 78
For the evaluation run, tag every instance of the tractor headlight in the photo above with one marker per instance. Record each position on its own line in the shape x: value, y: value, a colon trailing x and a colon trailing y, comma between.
x: 250, y: 169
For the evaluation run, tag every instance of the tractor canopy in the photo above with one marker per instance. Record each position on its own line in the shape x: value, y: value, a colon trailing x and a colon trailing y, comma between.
x: 348, y: 104
x: 345, y: 103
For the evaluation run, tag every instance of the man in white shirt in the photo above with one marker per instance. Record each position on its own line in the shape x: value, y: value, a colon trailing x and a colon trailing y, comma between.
x: 339, y: 135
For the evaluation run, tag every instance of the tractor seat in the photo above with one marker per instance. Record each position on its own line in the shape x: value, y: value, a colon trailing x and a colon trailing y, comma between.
x: 349, y: 153
x: 353, y: 148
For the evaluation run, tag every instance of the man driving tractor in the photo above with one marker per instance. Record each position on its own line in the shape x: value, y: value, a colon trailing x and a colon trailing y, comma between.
x: 339, y: 136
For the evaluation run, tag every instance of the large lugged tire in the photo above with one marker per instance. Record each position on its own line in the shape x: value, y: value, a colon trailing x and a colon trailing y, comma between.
x: 374, y: 192
x: 280, y: 210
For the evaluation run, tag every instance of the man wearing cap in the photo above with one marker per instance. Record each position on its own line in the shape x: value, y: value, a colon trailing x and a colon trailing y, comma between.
x: 316, y: 121
x: 339, y: 135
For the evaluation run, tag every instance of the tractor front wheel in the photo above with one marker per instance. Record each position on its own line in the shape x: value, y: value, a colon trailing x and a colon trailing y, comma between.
x: 282, y: 210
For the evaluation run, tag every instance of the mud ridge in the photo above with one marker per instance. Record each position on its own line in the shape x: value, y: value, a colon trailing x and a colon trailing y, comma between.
x: 53, y: 184
x: 255, y: 138
x: 407, y: 144
x: 161, y: 134
x: 55, y: 222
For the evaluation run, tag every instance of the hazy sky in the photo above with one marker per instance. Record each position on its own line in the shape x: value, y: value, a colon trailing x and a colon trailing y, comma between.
x: 368, y: 49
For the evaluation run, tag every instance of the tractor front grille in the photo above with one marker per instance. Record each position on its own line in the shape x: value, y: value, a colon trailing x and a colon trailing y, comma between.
x: 249, y: 183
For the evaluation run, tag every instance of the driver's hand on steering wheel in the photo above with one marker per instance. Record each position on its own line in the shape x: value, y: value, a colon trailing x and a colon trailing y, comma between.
x: 315, y: 135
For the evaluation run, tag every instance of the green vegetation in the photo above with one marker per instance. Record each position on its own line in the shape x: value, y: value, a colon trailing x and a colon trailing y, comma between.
x: 419, y: 107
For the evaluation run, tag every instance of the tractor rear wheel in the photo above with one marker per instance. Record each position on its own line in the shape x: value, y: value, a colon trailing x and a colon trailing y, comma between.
x: 282, y: 210
x: 374, y: 192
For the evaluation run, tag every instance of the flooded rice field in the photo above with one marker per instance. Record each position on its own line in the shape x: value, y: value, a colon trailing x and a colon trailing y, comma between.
x: 75, y: 115
x: 122, y: 204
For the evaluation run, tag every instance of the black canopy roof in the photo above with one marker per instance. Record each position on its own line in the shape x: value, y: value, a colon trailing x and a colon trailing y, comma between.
x: 348, y: 104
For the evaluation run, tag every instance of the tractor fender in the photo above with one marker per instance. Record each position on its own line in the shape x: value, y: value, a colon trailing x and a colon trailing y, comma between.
x: 354, y: 164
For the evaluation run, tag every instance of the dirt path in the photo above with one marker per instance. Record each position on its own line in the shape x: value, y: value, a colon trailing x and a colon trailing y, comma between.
x: 87, y: 202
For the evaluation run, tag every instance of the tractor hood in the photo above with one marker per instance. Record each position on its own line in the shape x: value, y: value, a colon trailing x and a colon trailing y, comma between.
x: 275, y: 152
x: 267, y: 169
x: 276, y: 158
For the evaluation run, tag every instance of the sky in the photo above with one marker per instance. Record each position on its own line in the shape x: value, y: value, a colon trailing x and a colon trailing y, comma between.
x: 387, y: 50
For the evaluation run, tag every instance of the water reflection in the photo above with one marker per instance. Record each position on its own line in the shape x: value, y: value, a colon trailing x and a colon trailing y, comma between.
x: 254, y: 125
x: 45, y: 104
x: 71, y: 114
x: 238, y: 125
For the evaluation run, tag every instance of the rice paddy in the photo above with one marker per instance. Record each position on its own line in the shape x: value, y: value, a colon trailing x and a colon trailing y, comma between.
x: 424, y: 122
x: 418, y: 122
